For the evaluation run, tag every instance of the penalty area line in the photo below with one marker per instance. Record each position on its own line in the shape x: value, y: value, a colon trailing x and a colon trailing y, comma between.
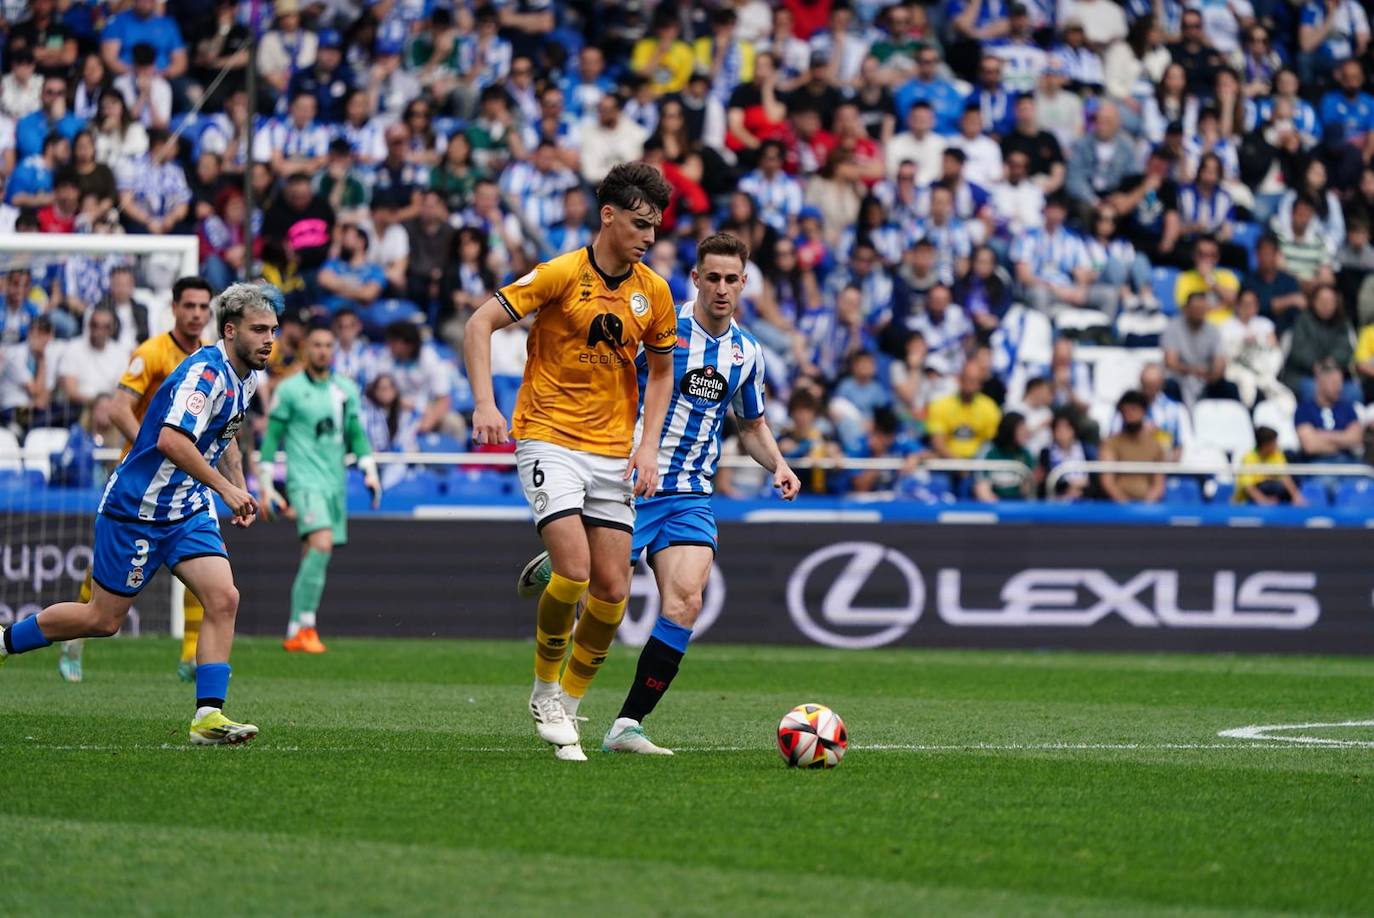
x: 1274, y: 733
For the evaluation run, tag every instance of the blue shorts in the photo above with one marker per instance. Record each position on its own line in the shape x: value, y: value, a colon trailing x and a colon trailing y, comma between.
x: 673, y: 519
x: 128, y: 554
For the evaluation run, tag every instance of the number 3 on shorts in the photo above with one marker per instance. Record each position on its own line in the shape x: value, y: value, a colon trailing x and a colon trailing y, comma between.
x: 537, y: 475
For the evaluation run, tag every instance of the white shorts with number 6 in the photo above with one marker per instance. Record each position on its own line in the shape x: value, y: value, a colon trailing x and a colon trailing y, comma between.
x: 559, y: 482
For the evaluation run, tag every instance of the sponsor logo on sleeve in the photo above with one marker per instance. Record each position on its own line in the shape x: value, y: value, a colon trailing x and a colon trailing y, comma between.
x: 195, y: 402
x: 527, y: 279
x: 136, y: 365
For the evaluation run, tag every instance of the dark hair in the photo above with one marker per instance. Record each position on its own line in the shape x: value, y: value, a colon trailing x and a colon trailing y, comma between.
x: 190, y: 282
x: 629, y: 186
x: 1037, y: 382
x: 403, y: 331
x: 1265, y: 436
x: 319, y: 323
x: 1005, y: 438
x: 722, y: 244
x: 66, y: 176
x: 1134, y: 397
x: 803, y: 399
x: 145, y: 55
x: 885, y: 421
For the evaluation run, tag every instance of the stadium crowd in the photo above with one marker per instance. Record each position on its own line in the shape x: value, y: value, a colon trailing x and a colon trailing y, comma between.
x: 1036, y: 232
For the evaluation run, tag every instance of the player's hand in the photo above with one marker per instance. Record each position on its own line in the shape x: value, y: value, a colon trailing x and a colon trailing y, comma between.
x: 271, y: 503
x: 374, y: 484
x: 488, y: 426
x: 243, y: 522
x: 643, y: 468
x: 786, y: 481
x: 241, y: 503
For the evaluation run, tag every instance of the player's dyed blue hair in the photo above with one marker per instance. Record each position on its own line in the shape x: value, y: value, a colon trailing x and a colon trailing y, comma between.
x: 238, y: 300
x: 274, y: 296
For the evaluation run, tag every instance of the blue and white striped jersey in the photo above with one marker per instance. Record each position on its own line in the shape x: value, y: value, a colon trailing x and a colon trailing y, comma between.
x: 709, y: 374
x: 205, y: 399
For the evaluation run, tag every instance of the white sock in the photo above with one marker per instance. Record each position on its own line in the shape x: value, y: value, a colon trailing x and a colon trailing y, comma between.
x: 570, y: 703
x: 201, y: 712
x: 623, y: 723
x: 307, y: 619
x: 544, y: 688
x: 293, y: 628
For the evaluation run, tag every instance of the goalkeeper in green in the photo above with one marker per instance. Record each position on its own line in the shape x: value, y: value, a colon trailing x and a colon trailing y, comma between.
x: 315, y: 419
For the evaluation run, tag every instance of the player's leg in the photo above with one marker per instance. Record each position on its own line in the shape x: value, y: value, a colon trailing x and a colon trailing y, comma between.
x: 193, y: 613
x: 555, y: 486
x: 69, y: 661
x: 103, y: 616
x: 681, y: 554
x: 197, y: 555
x: 316, y: 524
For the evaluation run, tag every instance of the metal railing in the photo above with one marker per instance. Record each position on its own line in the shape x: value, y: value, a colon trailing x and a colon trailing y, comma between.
x: 1334, y: 470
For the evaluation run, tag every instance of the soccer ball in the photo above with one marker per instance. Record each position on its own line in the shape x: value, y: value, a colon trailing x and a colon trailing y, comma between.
x: 812, y: 736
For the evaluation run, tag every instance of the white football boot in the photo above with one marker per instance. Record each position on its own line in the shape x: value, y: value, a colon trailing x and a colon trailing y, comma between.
x: 627, y: 735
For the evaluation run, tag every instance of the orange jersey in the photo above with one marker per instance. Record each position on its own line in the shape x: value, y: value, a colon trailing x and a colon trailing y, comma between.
x: 152, y: 362
x: 580, y: 388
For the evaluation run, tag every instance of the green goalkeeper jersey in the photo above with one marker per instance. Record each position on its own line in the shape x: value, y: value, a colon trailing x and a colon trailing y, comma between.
x: 317, y: 423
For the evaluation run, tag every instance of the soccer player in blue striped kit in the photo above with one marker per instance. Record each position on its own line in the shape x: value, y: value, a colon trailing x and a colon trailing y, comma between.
x: 717, y: 366
x: 157, y: 508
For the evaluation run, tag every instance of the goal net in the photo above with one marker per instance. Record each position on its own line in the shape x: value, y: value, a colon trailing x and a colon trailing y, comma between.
x: 50, y: 477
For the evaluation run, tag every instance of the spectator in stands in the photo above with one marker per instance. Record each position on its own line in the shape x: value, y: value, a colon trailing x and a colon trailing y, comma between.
x: 1136, y: 442
x: 53, y: 117
x: 348, y: 278
x: 540, y: 184
x: 778, y: 196
x: 983, y: 157
x: 806, y: 436
x: 1322, y: 332
x: 1350, y: 107
x: 1253, y: 356
x: 1328, y: 218
x: 1328, y: 425
x: 133, y: 318
x: 609, y: 139
x: 1280, y: 297
x: 1008, y: 445
x: 884, y: 440
x: 147, y: 94
x: 961, y: 424
x: 60, y: 215
x: 1101, y: 161
x: 919, y: 143
x: 1148, y: 205
x: 1018, y: 204
x: 119, y: 138
x: 95, y: 180
x: 27, y: 373
x: 1052, y: 267
x: 91, y: 366
x: 139, y: 25
x: 286, y: 49
x: 153, y: 194
x: 431, y: 246
x: 391, y: 424
x: 859, y: 394
x: 425, y: 380
x: 20, y: 306
x: 1218, y: 286
x: 1266, y: 490
x: 1165, y: 415
x: 21, y: 90
x: 1193, y: 355
x: 31, y: 186
x: 222, y: 45
x: 664, y: 59
x: 294, y: 144
x: 984, y: 292
x: 1065, y: 447
x: 352, y: 357
x: 1307, y: 253
x: 303, y: 222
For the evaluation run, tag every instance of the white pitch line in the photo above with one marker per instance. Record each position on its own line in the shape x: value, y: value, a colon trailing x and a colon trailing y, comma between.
x: 1265, y: 734
x: 1256, y: 742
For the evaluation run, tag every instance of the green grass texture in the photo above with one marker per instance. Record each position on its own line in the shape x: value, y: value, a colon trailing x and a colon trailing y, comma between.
x: 404, y: 778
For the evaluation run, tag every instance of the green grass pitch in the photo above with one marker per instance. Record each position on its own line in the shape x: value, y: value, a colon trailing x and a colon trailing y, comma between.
x: 404, y: 777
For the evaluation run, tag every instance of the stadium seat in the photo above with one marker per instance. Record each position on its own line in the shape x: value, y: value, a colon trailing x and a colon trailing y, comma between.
x: 478, y: 485
x: 1163, y: 280
x: 1279, y: 416
x: 1223, y: 492
x: 1075, y: 322
x: 1355, y: 492
x: 1182, y: 490
x: 11, y: 457
x: 1140, y: 329
x: 441, y: 443
x: 1104, y: 413
x: 1315, y: 492
x: 1225, y: 425
x: 16, y: 479
x: 419, y: 486
x: 1245, y: 235
x: 39, y: 446
x: 1033, y: 337
x: 1195, y: 453
x: 1115, y: 371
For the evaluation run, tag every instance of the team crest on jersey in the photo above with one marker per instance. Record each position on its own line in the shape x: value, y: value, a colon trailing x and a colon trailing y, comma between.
x: 232, y: 428
x: 737, y: 353
x: 541, y: 501
x: 639, y: 304
x: 607, y: 328
x: 135, y: 579
x: 526, y: 280
x: 195, y: 402
x: 704, y: 384
x: 136, y: 366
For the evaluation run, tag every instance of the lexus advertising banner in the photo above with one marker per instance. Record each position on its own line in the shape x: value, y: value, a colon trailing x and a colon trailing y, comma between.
x: 871, y: 585
x: 852, y: 586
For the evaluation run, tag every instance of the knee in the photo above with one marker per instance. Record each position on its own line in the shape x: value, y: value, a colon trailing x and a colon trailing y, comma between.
x: 610, y: 592
x: 106, y: 624
x: 683, y: 610
x: 222, y: 602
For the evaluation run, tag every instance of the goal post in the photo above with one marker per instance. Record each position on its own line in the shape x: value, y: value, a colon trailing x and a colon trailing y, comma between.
x: 45, y: 538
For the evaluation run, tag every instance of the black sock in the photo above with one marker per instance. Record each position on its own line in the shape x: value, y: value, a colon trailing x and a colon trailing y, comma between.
x: 658, y: 664
x: 209, y: 703
x: 9, y: 644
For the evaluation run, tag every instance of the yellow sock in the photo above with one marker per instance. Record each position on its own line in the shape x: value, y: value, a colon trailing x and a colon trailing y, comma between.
x: 591, y: 643
x: 194, y: 613
x: 557, y: 608
x: 86, y: 588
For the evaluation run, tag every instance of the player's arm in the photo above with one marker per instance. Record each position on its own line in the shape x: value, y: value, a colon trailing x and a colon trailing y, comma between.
x: 176, y: 444
x: 488, y: 426
x: 231, y: 466
x: 355, y: 436
x: 658, y: 391
x: 757, y: 441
